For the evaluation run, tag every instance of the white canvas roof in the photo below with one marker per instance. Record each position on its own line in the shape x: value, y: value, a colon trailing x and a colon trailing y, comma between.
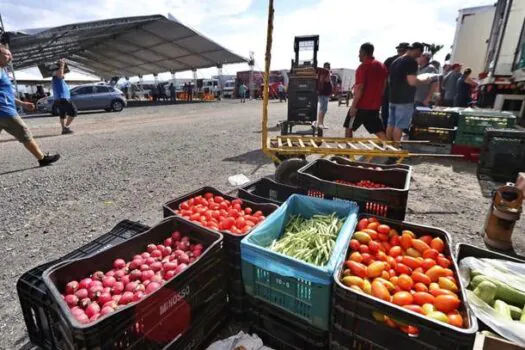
x: 121, y: 47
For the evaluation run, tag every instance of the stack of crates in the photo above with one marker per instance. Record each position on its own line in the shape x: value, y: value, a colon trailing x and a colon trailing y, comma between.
x: 471, y: 130
x: 436, y: 126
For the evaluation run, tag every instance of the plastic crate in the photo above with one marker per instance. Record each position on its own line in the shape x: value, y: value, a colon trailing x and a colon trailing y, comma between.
x: 345, y: 161
x: 477, y: 121
x: 429, y: 148
x: 469, y: 139
x: 320, y: 175
x: 162, y: 316
x: 435, y: 119
x: 470, y: 154
x: 266, y: 190
x: 281, y: 331
x: 232, y: 243
x: 354, y: 326
x: 436, y: 135
x: 302, y: 84
x: 40, y: 316
x: 502, y: 155
x: 299, y: 288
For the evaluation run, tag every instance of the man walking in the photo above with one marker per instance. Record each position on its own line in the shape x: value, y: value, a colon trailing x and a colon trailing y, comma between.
x: 282, y: 95
x: 450, y: 86
x: 403, y: 81
x: 242, y: 92
x: 425, y: 91
x: 10, y: 121
x: 370, y: 81
x: 172, y: 93
x: 62, y: 96
x: 325, y: 88
x: 401, y: 50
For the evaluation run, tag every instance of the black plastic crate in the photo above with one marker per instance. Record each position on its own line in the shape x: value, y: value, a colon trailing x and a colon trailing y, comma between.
x: 354, y: 326
x: 298, y: 100
x: 435, y: 119
x: 502, y: 155
x: 37, y: 306
x: 320, y: 175
x: 232, y: 243
x: 345, y: 161
x: 282, y: 331
x: 160, y: 317
x: 302, y: 114
x: 266, y: 190
x: 302, y: 84
x: 437, y: 135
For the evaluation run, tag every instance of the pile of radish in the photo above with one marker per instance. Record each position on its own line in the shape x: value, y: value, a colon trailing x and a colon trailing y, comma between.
x: 130, y: 281
x: 362, y: 183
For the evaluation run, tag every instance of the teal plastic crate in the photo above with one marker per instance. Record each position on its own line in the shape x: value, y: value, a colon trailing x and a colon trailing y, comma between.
x: 302, y: 289
x: 469, y: 139
x: 471, y: 121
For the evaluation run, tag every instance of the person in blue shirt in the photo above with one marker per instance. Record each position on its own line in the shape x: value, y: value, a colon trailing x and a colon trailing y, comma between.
x: 65, y: 107
x: 10, y: 121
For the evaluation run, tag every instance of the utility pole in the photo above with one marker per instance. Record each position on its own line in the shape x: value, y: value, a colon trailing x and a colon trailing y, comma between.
x: 219, y: 73
x: 251, y: 63
x: 5, y: 40
x: 194, y: 70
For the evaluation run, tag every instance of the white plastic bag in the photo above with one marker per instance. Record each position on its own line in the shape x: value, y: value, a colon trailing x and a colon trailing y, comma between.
x: 239, y: 341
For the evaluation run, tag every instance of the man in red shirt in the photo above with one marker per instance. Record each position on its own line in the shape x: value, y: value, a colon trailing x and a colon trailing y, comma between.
x: 370, y: 82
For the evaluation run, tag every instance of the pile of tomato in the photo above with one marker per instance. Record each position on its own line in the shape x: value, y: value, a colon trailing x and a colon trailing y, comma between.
x: 362, y: 183
x: 406, y: 270
x: 220, y: 214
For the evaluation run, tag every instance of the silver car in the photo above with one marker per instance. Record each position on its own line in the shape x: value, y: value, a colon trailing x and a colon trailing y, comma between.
x: 89, y: 97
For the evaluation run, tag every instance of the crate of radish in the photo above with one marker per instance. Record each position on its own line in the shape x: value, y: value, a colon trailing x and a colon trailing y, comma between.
x: 289, y: 259
x: 141, y: 293
x: 398, y: 288
x: 382, y: 192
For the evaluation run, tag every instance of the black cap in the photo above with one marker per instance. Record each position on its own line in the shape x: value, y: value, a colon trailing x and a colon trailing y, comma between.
x: 416, y: 45
x: 403, y: 46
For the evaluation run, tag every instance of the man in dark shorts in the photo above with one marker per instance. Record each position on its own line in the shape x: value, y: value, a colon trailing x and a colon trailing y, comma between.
x: 10, y: 121
x: 66, y: 108
x: 370, y: 81
x: 401, y: 50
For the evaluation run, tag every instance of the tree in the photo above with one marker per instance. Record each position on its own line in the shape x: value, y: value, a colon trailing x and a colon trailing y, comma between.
x: 434, y: 48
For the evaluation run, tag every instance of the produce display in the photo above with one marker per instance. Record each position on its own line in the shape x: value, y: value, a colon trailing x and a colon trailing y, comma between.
x: 127, y: 282
x: 362, y: 183
x: 220, y: 214
x: 409, y: 271
x: 310, y: 240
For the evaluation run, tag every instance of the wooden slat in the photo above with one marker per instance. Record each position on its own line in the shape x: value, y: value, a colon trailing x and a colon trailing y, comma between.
x: 313, y: 143
x: 289, y: 142
x: 352, y: 145
x: 377, y: 146
x: 279, y: 142
x: 364, y: 145
x: 301, y: 143
x: 392, y: 148
x: 339, y: 145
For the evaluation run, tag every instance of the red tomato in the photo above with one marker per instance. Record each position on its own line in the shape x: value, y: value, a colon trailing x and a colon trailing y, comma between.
x: 374, y: 246
x: 421, y: 298
x: 395, y: 251
x: 354, y: 244
x: 403, y: 269
x: 237, y: 201
x: 426, y: 238
x: 258, y: 213
x: 405, y: 241
x: 414, y: 308
x: 382, y: 237
x: 237, y: 207
x: 402, y: 298
x: 218, y: 199
x: 446, y: 303
x: 228, y: 223
x: 411, y: 262
x: 420, y: 287
x: 367, y: 258
x: 356, y: 256
x: 405, y: 282
x: 394, y: 240
x: 438, y: 244
x: 430, y: 254
x: 364, y: 248
x: 208, y: 195
x: 421, y: 277
x: 428, y: 263
x: 443, y: 262
x: 383, y: 229
x: 363, y: 223
x: 240, y: 222
x: 248, y: 210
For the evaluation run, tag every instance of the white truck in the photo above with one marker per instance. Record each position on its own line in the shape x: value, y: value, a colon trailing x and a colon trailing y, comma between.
x: 343, y: 80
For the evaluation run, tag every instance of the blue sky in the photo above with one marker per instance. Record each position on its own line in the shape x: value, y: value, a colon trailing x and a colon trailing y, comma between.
x: 240, y: 25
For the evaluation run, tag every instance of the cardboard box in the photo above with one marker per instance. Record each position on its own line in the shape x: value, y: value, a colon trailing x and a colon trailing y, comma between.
x: 487, y: 342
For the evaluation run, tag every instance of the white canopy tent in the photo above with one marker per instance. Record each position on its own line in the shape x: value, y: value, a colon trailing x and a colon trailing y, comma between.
x: 132, y: 46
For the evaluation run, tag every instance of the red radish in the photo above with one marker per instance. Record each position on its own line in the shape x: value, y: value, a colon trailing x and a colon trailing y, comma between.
x: 156, y: 266
x: 197, y: 253
x: 94, y: 317
x: 192, y: 259
x: 151, y: 247
x: 153, y: 286
x: 92, y: 309
x: 82, y: 293
x: 140, y: 288
x: 138, y: 295
x: 126, y: 298
x: 185, y: 239
x: 119, y: 264
x: 106, y: 310
x: 156, y: 278
x: 137, y: 256
x: 83, y: 303
x: 145, y: 255
x: 106, y: 290
x: 178, y: 253
x: 184, y: 259
x: 144, y: 267
x: 71, y: 300
x: 145, y: 283
x: 104, y: 298
x: 109, y: 281
x: 130, y: 287
x: 110, y: 273
x: 94, y: 292
x: 160, y: 247
x: 119, y: 274
x: 147, y: 275
x: 180, y: 246
x: 180, y: 268
x: 71, y: 287
x: 95, y: 283
x: 125, y: 279
x: 170, y: 266
x: 168, y: 241
x: 156, y: 253
x: 135, y: 275
x: 166, y: 251
x: 175, y: 236
x: 84, y: 319
x: 135, y: 264
x: 84, y: 283
x: 116, y: 298
x: 112, y: 304
x: 118, y: 288
x: 198, y: 246
x: 174, y: 259
x: 98, y: 275
x: 150, y: 260
x: 169, y: 274
x: 77, y: 311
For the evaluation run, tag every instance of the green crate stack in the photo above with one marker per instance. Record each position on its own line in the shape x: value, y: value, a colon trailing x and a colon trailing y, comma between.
x: 472, y: 125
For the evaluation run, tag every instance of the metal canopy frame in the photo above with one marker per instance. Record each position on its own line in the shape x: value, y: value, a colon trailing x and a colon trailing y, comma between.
x: 121, y: 47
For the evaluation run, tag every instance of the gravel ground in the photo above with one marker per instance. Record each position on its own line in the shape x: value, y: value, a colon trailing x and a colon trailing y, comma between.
x: 125, y: 165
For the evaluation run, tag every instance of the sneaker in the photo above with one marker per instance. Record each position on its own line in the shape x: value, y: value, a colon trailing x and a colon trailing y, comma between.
x: 314, y: 125
x: 49, y: 159
x: 66, y: 131
x: 321, y: 126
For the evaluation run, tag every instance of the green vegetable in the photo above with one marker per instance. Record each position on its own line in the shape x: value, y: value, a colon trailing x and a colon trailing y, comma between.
x: 504, y: 291
x: 491, y: 334
x: 476, y: 280
x: 486, y: 291
x: 310, y: 240
x: 522, y: 317
x: 503, y: 309
x: 515, y: 312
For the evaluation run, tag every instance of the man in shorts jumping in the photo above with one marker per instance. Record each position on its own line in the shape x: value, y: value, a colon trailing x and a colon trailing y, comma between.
x: 65, y: 107
x: 10, y: 121
x: 370, y: 81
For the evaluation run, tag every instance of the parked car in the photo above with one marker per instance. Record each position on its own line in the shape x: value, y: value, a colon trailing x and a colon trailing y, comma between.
x: 89, y: 97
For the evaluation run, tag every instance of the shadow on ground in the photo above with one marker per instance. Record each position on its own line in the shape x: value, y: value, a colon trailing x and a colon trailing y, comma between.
x: 255, y: 157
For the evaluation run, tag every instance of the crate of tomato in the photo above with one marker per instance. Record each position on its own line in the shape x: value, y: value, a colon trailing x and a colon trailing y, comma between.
x: 143, y: 293
x: 398, y: 288
x: 232, y: 217
x: 377, y: 191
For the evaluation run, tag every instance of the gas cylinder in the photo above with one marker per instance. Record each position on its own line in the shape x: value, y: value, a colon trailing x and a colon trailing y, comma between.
x: 503, y: 213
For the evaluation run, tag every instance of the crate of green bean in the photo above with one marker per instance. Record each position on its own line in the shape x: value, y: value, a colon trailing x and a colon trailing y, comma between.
x: 289, y: 258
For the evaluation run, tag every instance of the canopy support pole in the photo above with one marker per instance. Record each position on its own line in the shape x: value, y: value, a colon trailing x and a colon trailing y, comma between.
x: 268, y: 60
